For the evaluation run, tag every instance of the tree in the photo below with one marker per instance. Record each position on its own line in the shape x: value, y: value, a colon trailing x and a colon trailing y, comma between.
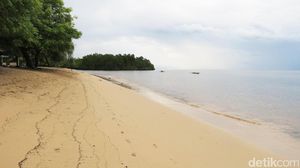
x: 111, y: 62
x: 17, y: 31
x: 56, y: 29
x: 39, y: 30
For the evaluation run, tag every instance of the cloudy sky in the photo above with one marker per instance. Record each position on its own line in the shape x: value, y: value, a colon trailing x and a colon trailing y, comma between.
x: 193, y: 34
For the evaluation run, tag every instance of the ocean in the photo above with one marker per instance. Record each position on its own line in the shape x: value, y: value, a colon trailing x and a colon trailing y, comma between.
x: 259, y: 96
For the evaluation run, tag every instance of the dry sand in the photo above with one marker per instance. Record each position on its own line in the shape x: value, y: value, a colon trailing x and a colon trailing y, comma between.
x: 64, y: 119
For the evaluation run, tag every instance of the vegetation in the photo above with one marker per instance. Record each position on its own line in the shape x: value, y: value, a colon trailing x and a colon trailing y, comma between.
x: 110, y: 62
x: 40, y: 31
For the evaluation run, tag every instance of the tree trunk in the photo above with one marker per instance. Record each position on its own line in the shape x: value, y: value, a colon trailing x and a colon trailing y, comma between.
x: 27, y: 58
x: 17, y: 61
x: 47, y: 61
x: 1, y: 60
x: 36, y: 59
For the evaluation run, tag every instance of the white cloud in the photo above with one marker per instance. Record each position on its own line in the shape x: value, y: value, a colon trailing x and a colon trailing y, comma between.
x: 183, y: 33
x: 182, y: 55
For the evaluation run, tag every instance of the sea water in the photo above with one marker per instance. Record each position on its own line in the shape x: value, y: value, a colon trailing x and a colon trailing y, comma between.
x: 264, y: 96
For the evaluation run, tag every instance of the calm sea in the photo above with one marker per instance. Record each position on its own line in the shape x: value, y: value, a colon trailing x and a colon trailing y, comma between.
x: 267, y: 96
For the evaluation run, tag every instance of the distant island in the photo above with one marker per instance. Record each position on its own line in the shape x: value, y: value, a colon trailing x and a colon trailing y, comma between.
x: 110, y: 62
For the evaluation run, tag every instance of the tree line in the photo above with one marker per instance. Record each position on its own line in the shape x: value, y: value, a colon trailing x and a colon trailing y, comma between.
x: 110, y: 62
x: 39, y: 31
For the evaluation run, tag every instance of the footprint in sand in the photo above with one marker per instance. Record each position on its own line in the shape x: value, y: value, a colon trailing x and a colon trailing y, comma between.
x: 122, y: 132
x: 128, y: 141
x: 133, y: 154
x: 154, y: 145
x: 173, y: 161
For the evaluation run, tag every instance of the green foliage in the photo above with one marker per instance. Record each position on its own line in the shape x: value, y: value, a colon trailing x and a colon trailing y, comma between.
x: 57, y: 30
x: 38, y: 30
x: 111, y: 62
x: 16, y: 26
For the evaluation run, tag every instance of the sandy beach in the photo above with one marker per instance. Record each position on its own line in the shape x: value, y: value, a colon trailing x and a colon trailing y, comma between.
x: 66, y: 119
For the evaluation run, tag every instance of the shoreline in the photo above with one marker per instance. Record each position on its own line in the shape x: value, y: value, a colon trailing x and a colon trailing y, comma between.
x: 72, y: 119
x: 274, y: 140
x: 129, y: 85
x: 122, y: 84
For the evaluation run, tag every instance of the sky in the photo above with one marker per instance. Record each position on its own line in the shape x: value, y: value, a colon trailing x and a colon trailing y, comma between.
x: 193, y: 34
